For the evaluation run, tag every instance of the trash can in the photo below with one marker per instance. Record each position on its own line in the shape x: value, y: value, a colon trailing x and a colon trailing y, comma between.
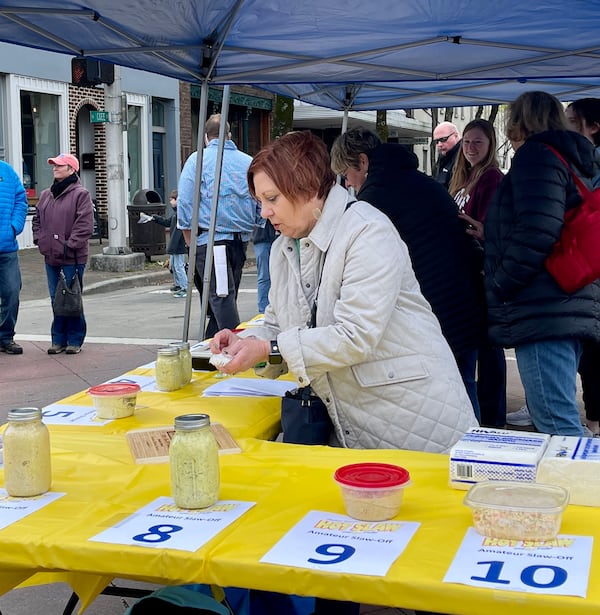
x: 149, y: 238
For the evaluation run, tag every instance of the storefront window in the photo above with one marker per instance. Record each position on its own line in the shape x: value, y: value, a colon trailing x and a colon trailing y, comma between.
x: 134, y: 148
x: 40, y: 139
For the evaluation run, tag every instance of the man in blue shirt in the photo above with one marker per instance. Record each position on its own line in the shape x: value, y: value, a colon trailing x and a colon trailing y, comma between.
x: 237, y: 215
x: 13, y: 210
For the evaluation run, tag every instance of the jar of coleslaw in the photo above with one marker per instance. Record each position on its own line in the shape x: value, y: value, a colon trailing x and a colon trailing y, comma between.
x: 27, y: 470
x: 185, y: 357
x: 168, y: 369
x: 194, y: 460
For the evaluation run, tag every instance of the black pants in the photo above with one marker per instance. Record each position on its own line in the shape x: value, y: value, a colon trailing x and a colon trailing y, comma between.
x: 222, y: 311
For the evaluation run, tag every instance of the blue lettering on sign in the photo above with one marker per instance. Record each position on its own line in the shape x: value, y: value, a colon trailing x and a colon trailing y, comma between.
x: 157, y: 533
x: 559, y: 575
x: 337, y: 553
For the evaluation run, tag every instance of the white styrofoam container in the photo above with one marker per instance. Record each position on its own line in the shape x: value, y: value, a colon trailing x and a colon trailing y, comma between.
x: 496, y: 454
x: 573, y: 463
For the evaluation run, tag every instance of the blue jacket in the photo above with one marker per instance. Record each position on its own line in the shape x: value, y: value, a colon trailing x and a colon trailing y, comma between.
x: 13, y: 208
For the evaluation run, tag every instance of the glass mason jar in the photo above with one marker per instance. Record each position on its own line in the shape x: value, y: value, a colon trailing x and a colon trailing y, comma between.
x: 194, y: 460
x: 185, y: 357
x: 168, y: 369
x: 27, y: 469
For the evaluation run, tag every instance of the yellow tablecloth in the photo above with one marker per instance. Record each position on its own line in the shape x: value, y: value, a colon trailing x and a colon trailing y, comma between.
x: 94, y: 468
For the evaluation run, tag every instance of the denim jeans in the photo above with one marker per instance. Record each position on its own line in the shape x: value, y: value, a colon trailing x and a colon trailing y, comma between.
x: 10, y: 287
x: 66, y: 331
x: 548, y: 372
x: 178, y: 269
x: 467, y: 363
x: 263, y: 279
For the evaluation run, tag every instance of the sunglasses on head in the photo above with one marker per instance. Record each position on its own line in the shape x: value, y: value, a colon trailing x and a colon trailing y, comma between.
x: 443, y: 139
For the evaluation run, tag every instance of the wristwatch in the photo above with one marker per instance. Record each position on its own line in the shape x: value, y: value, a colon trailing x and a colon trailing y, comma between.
x: 275, y: 357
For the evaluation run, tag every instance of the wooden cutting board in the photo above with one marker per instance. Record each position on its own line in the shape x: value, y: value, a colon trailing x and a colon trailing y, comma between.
x: 152, y: 445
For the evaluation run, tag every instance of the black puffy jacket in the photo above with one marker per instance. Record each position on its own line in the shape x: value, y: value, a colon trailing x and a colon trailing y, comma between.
x: 524, y: 221
x: 446, y: 261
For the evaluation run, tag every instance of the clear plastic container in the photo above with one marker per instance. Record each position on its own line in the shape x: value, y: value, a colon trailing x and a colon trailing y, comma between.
x: 194, y: 461
x: 114, y: 400
x: 168, y: 369
x: 372, y: 491
x: 517, y: 511
x: 27, y: 468
x: 185, y: 356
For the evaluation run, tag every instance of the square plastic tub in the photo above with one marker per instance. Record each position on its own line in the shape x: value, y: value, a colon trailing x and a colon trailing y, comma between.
x: 114, y: 400
x: 517, y: 511
x: 372, y: 491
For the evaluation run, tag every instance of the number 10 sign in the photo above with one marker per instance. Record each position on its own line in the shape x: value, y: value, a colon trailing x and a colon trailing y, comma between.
x: 560, y: 566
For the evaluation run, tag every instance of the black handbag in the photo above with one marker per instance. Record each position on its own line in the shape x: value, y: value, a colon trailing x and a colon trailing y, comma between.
x: 68, y: 301
x: 304, y: 418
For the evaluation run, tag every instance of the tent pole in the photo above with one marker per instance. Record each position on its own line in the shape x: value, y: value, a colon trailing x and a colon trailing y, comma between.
x: 208, y: 263
x: 338, y: 179
x: 195, y: 210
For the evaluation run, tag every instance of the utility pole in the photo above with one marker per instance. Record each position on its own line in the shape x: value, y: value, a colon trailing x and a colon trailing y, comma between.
x: 117, y: 256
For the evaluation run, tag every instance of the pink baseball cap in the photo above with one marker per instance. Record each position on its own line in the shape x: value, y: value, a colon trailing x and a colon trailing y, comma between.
x: 62, y: 159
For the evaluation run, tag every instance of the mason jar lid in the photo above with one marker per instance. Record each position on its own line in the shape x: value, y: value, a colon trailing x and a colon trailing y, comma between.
x: 24, y: 414
x: 168, y: 351
x: 184, y: 345
x: 191, y: 421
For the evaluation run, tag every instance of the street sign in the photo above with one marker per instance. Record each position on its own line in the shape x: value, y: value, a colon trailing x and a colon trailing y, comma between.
x: 97, y: 117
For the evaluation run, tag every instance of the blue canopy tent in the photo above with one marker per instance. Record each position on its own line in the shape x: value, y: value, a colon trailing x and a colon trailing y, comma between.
x: 341, y: 55
x: 384, y: 54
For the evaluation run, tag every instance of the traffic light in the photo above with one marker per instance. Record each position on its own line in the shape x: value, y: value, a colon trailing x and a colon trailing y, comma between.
x: 89, y: 72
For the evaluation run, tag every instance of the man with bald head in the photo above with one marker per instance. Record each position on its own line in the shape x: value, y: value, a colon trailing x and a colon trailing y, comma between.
x: 446, y: 139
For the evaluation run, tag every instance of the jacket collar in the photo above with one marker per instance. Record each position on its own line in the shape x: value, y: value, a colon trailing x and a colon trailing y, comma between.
x: 328, y: 223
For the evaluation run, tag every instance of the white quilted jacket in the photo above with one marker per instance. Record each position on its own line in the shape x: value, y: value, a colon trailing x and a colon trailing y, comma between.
x: 377, y: 356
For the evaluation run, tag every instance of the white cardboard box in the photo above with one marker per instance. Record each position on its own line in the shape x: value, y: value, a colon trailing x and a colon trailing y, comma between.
x: 496, y: 454
x: 573, y: 463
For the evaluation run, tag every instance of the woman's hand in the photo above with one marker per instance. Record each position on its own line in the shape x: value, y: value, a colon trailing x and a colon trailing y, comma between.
x: 474, y: 227
x: 244, y: 352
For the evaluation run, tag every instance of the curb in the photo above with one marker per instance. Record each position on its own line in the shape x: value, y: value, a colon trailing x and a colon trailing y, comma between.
x: 130, y: 281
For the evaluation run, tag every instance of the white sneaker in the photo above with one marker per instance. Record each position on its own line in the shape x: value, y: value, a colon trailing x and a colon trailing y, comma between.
x: 521, y: 417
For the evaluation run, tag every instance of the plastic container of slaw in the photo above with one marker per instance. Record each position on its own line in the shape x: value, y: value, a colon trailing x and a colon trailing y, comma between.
x: 372, y: 491
x: 114, y: 400
x: 517, y: 511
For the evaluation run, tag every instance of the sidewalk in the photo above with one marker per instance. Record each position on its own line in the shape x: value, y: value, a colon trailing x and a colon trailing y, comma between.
x: 33, y: 274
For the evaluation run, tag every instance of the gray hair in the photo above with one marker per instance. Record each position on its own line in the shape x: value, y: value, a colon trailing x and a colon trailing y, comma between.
x: 347, y: 147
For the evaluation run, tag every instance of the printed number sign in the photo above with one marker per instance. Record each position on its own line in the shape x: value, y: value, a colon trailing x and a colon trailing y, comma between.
x: 560, y: 566
x: 337, y: 543
x: 161, y: 524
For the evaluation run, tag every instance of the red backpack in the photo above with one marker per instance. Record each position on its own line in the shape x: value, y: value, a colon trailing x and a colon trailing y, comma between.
x: 575, y: 258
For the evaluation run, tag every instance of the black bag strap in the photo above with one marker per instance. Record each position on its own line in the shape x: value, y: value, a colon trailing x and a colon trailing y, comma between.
x: 74, y: 254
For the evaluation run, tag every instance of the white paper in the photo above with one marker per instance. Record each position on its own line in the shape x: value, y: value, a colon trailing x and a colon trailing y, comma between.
x: 337, y: 543
x: 147, y: 383
x: 220, y: 260
x: 559, y: 566
x: 162, y: 525
x: 68, y: 414
x: 249, y: 387
x: 13, y: 509
x: 144, y: 218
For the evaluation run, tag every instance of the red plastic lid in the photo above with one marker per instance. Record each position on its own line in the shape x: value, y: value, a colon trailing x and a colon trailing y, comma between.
x: 115, y: 388
x: 374, y: 475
